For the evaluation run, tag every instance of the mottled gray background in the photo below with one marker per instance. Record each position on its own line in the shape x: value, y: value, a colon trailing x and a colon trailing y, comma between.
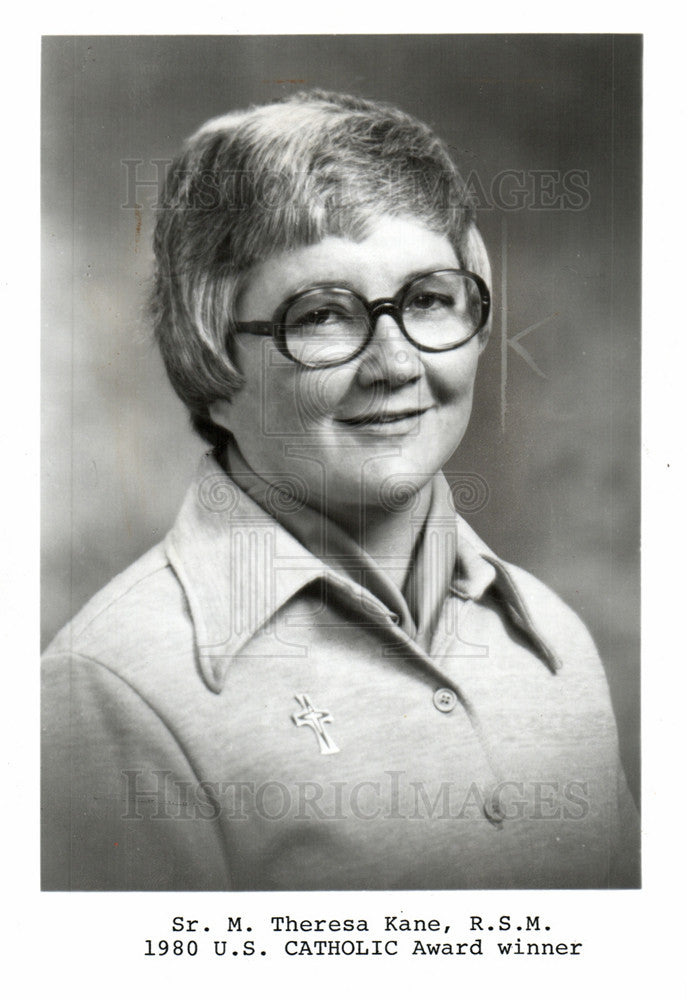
x: 562, y: 467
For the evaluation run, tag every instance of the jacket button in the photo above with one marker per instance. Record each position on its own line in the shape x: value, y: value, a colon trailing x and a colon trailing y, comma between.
x: 494, y: 813
x: 445, y: 700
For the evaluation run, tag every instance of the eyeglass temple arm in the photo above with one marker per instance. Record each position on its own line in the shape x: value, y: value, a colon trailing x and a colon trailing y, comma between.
x: 258, y: 327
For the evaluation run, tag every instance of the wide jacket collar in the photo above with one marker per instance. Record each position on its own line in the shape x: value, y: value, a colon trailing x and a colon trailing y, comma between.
x: 239, y: 564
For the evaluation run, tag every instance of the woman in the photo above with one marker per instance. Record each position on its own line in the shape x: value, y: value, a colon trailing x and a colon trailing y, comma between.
x: 322, y: 678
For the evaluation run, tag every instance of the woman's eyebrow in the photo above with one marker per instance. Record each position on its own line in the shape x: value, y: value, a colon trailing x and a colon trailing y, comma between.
x: 306, y: 286
x: 412, y: 275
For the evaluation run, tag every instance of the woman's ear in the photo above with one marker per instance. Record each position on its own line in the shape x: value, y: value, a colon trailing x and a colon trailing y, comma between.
x: 220, y: 411
x: 476, y: 254
x: 477, y: 260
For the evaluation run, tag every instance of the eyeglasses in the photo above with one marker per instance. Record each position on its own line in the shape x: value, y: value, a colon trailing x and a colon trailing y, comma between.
x: 330, y: 325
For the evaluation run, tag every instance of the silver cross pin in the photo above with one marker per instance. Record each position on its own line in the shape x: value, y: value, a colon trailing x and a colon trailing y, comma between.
x: 315, y: 718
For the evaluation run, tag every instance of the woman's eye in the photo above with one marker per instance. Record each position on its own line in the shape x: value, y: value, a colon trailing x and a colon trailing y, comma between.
x: 318, y: 317
x: 426, y: 301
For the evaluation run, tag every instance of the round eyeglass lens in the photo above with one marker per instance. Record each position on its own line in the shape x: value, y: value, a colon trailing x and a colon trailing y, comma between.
x: 442, y: 310
x: 325, y: 327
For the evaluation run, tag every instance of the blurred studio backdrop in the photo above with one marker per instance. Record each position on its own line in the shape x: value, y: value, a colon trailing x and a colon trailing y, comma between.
x: 546, y: 129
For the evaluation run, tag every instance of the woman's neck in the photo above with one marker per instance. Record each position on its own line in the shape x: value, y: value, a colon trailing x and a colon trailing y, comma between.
x: 389, y: 537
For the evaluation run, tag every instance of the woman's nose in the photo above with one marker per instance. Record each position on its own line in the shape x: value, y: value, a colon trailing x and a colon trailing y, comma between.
x: 389, y: 357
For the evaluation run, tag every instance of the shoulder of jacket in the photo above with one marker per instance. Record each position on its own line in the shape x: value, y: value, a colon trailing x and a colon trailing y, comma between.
x: 137, y: 606
x: 550, y: 613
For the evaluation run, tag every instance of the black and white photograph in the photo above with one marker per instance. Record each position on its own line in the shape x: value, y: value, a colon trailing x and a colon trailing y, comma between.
x: 341, y: 463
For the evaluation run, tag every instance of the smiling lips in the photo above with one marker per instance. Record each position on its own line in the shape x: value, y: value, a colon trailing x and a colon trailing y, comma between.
x: 365, y: 419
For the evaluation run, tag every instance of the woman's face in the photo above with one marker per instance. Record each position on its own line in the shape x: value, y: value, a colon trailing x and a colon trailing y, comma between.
x: 303, y: 425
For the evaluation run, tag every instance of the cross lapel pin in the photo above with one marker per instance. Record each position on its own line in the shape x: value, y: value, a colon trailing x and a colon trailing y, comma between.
x: 315, y: 719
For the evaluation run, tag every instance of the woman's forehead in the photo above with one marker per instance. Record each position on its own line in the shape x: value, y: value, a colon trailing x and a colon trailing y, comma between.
x: 393, y: 251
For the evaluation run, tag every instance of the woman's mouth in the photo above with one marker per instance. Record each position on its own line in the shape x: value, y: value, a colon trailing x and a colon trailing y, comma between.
x: 383, y: 418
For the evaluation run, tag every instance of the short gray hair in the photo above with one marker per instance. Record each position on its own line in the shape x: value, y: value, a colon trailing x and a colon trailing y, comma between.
x: 276, y: 177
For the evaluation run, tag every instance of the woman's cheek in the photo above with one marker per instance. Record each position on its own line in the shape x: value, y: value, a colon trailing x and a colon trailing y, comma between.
x: 452, y: 375
x: 318, y: 394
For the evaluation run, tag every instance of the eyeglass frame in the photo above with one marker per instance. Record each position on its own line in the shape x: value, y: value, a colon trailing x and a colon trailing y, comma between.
x: 277, y: 329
